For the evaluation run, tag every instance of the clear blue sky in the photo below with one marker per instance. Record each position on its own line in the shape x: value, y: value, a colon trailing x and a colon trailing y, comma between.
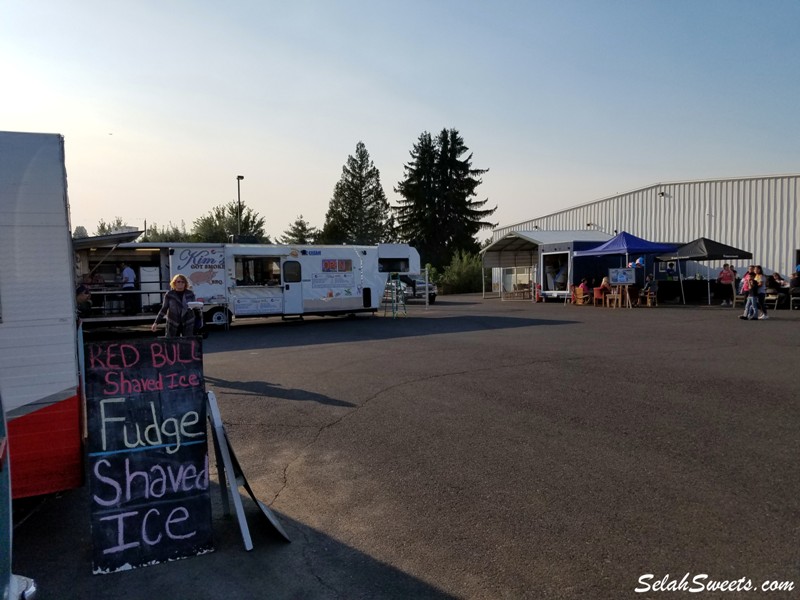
x: 163, y: 103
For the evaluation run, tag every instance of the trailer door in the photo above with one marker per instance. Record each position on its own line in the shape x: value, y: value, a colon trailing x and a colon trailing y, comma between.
x: 292, y: 288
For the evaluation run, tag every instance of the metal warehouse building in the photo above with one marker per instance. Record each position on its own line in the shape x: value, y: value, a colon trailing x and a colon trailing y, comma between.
x: 759, y: 214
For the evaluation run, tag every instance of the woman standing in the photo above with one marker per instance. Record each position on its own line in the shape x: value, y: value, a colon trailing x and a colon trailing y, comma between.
x: 726, y: 280
x: 180, y: 318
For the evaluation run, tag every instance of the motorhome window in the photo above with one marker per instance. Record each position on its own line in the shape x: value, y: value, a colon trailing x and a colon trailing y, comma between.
x: 393, y: 265
x: 258, y: 270
x: 292, y: 273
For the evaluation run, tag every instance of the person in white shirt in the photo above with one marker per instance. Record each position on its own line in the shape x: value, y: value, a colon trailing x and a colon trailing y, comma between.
x: 129, y: 285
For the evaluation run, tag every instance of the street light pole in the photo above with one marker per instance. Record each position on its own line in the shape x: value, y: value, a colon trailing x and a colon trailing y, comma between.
x: 239, y: 205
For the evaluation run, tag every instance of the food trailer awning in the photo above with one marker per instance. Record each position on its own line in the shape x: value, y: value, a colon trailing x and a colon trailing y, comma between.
x: 105, y: 241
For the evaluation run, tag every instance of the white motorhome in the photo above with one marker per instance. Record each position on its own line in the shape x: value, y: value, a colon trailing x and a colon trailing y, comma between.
x: 254, y: 280
x: 38, y: 351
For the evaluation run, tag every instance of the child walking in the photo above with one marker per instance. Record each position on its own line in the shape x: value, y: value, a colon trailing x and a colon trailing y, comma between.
x: 751, y: 306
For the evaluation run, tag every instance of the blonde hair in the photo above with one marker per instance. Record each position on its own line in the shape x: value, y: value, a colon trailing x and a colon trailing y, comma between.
x: 179, y: 277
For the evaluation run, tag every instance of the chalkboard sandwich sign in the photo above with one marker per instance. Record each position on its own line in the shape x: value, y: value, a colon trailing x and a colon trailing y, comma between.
x: 147, y: 452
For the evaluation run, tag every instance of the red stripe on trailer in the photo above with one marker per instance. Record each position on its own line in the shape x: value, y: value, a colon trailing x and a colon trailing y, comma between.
x: 45, y: 450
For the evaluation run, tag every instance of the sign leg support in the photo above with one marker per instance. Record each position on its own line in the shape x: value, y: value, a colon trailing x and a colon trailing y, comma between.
x: 231, y: 472
x: 227, y: 472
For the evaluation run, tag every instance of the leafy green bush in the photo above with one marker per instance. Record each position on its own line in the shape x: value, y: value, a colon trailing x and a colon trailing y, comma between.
x: 433, y: 274
x: 463, y: 274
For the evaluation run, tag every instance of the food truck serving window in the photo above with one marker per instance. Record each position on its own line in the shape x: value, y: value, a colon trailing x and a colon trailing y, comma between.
x: 258, y: 270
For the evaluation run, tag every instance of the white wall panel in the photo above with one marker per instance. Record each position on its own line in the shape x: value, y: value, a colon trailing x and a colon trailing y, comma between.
x: 38, y: 355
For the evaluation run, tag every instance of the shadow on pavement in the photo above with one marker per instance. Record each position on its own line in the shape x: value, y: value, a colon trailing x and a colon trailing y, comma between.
x: 264, y: 334
x: 440, y: 302
x: 264, y: 388
x: 52, y: 544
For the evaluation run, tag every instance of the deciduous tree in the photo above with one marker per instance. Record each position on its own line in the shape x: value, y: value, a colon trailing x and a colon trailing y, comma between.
x: 221, y: 224
x: 114, y: 226
x: 169, y: 233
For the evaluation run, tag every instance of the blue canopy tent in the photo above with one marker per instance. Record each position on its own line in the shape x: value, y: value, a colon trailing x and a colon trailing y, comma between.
x: 625, y: 244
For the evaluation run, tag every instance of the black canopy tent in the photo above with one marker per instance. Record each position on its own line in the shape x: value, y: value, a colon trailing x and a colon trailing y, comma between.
x: 704, y: 249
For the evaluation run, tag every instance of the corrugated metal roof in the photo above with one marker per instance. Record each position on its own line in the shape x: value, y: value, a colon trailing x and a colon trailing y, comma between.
x: 520, y: 248
x: 521, y: 239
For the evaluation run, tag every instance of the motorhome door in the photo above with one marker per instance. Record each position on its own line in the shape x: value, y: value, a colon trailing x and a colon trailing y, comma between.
x: 292, y: 288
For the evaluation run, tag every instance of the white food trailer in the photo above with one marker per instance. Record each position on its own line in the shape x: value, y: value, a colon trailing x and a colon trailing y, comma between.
x: 38, y: 350
x: 262, y: 280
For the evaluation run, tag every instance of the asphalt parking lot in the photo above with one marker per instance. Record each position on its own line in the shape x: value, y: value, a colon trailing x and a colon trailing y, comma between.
x: 484, y: 449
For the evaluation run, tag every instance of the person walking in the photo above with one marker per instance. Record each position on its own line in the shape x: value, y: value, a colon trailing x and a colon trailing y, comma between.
x: 751, y: 305
x: 180, y: 318
x: 761, y: 280
x: 747, y: 280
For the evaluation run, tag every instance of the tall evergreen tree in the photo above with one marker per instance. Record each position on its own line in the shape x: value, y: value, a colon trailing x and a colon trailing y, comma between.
x: 358, y: 212
x: 417, y: 213
x: 299, y: 232
x: 457, y: 181
x: 392, y: 234
x: 438, y: 213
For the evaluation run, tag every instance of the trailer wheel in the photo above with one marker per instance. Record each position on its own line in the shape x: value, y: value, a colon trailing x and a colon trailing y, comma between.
x: 218, y: 316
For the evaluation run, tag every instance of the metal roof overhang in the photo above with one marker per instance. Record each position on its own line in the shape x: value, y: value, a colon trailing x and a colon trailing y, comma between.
x: 514, y: 250
x: 521, y: 248
x: 105, y: 241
